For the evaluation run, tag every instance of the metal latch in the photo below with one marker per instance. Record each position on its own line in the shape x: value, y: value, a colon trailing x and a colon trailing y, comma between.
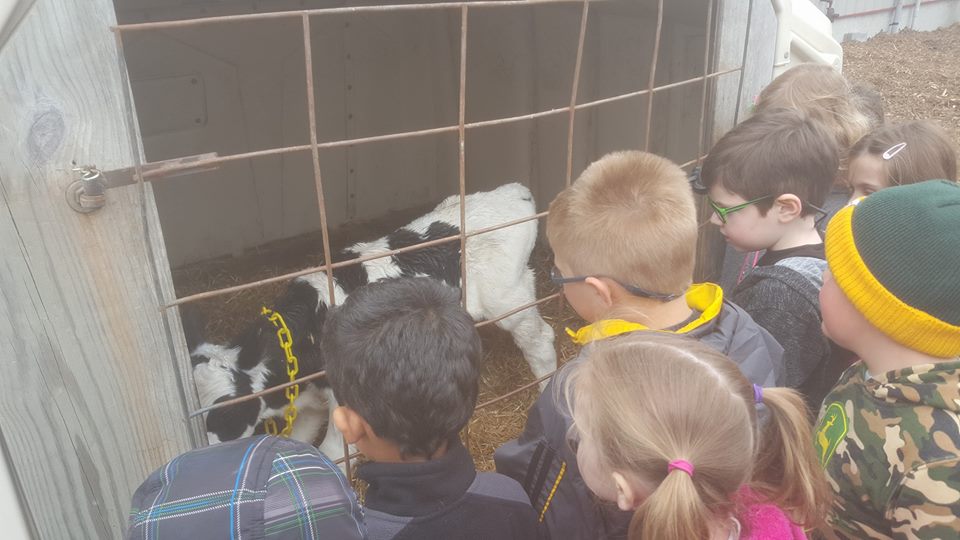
x: 88, y: 193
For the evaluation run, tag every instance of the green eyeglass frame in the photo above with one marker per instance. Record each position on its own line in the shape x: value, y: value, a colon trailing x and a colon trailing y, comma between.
x: 723, y: 212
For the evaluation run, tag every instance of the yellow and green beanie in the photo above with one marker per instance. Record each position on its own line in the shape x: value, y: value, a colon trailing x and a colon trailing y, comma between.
x: 896, y: 256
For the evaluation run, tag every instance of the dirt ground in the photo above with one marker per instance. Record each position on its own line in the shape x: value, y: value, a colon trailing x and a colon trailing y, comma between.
x: 918, y: 74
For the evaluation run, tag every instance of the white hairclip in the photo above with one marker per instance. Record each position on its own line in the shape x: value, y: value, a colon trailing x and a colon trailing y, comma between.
x: 894, y: 150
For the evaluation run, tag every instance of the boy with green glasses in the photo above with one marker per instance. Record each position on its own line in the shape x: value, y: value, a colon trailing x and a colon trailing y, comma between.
x: 765, y: 181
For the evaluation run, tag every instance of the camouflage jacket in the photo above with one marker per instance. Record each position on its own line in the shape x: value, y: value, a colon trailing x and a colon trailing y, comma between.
x: 891, y: 447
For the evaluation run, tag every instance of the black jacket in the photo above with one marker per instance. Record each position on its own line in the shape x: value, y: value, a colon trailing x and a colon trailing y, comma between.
x: 444, y: 499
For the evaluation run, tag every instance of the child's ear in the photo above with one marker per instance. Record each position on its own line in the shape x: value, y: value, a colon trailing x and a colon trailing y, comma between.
x: 788, y: 207
x: 351, y: 424
x: 602, y: 289
x: 628, y: 498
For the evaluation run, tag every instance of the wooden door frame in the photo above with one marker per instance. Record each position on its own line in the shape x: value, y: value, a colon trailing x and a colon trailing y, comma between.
x: 94, y: 390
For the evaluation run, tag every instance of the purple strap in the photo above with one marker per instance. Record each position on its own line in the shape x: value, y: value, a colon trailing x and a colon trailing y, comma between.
x: 757, y: 393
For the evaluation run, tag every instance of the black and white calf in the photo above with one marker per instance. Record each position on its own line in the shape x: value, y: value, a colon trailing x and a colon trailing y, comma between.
x: 498, y: 280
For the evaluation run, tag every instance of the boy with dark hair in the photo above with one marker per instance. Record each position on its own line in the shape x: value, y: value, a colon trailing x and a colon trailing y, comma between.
x: 261, y: 487
x: 889, y: 432
x: 624, y: 243
x: 403, y: 359
x: 767, y: 178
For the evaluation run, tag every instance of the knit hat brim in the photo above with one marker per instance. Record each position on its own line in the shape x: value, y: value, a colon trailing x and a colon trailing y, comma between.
x: 905, y: 324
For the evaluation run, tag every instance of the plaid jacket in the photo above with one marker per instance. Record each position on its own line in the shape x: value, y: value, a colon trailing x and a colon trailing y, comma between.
x: 255, y: 488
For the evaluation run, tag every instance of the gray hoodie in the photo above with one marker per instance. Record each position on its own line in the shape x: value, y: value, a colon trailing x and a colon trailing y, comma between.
x: 784, y: 299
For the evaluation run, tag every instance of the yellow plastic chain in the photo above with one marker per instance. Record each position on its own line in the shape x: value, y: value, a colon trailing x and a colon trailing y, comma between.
x: 292, y: 392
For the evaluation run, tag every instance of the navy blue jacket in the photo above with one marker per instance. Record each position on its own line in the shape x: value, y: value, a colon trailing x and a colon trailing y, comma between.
x: 444, y: 499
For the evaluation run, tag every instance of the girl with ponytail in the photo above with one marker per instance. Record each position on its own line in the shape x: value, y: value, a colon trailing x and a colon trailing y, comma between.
x: 668, y: 429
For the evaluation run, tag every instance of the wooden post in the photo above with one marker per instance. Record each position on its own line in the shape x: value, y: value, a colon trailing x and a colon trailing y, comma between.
x: 92, y: 397
x: 738, y: 23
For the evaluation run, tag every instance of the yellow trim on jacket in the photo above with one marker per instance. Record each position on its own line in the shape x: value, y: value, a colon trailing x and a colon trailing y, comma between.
x: 707, y: 298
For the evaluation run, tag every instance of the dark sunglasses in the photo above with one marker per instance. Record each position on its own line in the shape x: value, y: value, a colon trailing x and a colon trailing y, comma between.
x: 557, y: 277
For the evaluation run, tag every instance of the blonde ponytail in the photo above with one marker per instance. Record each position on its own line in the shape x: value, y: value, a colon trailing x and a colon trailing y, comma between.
x: 646, y: 399
x: 675, y: 511
x: 787, y: 472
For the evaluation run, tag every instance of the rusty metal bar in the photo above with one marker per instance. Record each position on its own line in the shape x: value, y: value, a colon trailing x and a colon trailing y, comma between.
x: 462, y: 155
x: 462, y: 166
x: 315, y: 154
x: 255, y: 395
x: 184, y: 165
x: 518, y: 309
x: 574, y: 87
x: 317, y: 177
x: 387, y: 137
x: 693, y: 80
x: 351, y: 456
x: 512, y: 119
x: 506, y: 224
x: 693, y: 161
x: 653, y: 76
x: 743, y: 62
x: 171, y: 169
x: 708, y: 32
x: 637, y: 93
x: 332, y: 11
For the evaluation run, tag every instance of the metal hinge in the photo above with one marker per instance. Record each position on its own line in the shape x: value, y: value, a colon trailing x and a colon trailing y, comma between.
x: 88, y: 192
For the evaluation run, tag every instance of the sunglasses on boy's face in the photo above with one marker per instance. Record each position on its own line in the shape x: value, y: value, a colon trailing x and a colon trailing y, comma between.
x: 557, y: 277
x: 723, y: 211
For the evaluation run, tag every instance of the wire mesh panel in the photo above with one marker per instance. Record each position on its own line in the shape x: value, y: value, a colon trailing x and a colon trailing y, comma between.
x: 651, y: 85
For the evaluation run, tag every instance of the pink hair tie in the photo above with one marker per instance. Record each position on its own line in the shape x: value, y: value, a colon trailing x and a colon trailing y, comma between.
x: 680, y: 465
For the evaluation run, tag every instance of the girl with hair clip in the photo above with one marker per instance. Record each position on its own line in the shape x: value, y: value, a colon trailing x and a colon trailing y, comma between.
x: 900, y: 154
x: 667, y: 428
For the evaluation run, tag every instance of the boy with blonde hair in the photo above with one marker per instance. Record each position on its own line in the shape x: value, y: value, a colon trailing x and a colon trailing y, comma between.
x: 624, y: 239
x: 889, y: 432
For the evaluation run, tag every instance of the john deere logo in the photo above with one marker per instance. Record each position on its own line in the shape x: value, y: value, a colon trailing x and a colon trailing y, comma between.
x: 832, y: 430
